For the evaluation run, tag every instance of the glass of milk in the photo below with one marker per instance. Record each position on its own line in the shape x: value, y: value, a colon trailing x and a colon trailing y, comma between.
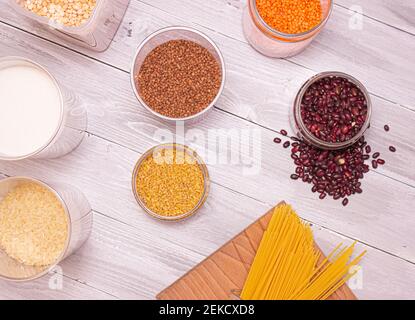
x: 39, y: 118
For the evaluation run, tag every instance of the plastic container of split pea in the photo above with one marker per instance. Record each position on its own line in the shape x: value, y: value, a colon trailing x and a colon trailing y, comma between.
x: 192, y: 156
x: 96, y: 33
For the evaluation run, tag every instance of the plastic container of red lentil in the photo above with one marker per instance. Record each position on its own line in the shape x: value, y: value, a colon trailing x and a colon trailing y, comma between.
x: 299, y: 127
x: 95, y: 34
x: 274, y: 43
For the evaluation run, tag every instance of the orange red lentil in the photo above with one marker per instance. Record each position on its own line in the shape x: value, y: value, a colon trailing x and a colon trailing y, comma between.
x: 290, y: 16
x: 170, y: 182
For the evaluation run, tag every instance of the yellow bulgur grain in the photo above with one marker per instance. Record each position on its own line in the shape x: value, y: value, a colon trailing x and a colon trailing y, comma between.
x: 33, y: 225
x: 170, y: 182
x: 71, y: 13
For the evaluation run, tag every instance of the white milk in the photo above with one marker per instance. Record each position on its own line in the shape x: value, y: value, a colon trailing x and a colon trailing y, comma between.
x: 30, y: 110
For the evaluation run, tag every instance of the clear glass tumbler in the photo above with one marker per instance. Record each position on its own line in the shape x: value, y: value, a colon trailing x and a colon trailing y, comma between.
x: 176, y: 33
x: 80, y: 219
x: 69, y: 132
x: 274, y: 43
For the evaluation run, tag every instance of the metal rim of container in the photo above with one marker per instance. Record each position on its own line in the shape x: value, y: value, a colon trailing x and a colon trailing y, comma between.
x: 173, y: 28
x: 68, y: 238
x: 62, y: 116
x: 280, y: 36
x: 307, y: 135
x: 203, y: 168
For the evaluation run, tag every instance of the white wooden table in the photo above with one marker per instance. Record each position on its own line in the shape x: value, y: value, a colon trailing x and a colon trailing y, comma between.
x: 131, y: 256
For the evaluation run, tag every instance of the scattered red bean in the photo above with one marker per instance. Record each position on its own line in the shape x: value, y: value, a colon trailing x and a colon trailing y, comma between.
x: 284, y: 132
x: 392, y: 149
x: 374, y: 164
x: 332, y: 173
x: 381, y: 161
x: 376, y: 155
x: 368, y: 149
x: 345, y: 202
x: 334, y: 109
x: 386, y: 127
x: 277, y: 140
x: 286, y: 144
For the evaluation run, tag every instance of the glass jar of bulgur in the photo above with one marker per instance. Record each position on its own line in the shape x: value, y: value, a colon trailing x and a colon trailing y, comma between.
x: 170, y: 182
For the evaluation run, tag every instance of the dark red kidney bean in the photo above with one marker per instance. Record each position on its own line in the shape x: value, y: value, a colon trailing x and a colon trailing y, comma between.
x: 345, y: 202
x: 277, y: 140
x: 381, y: 161
x: 333, y: 110
x: 294, y: 176
x: 376, y: 155
x: 392, y: 149
x: 286, y: 144
x: 374, y: 164
x: 322, y: 195
x: 386, y: 127
x: 332, y: 173
x: 284, y: 132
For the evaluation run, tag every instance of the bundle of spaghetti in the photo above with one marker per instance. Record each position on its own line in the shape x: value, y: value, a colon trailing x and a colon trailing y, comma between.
x: 286, y: 265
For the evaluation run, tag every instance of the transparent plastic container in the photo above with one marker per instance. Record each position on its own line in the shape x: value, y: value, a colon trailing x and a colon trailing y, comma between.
x: 95, y: 34
x: 194, y: 156
x: 176, y: 33
x: 301, y: 130
x: 69, y: 132
x: 80, y: 219
x: 276, y: 44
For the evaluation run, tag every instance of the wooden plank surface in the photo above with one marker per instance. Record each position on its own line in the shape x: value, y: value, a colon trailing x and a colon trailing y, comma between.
x: 131, y: 256
x: 222, y: 275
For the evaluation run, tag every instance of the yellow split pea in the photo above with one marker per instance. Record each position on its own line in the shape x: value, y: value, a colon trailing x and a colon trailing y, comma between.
x: 170, y: 182
x: 71, y: 13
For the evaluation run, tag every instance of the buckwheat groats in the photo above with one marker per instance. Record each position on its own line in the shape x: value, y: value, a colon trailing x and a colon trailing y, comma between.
x: 179, y: 78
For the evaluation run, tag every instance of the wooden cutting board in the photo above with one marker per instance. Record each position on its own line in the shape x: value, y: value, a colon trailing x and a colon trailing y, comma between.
x: 222, y: 275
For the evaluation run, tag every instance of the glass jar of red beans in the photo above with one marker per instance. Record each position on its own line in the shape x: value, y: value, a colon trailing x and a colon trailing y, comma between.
x: 331, y: 111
